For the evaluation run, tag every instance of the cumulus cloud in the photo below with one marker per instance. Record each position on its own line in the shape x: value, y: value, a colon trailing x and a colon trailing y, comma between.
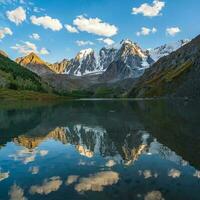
x: 197, y: 174
x: 71, y: 179
x: 84, y: 43
x: 146, y: 31
x: 174, y: 173
x: 173, y: 31
x: 17, y: 16
x: 154, y: 195
x: 35, y: 36
x: 97, y: 182
x: 34, y: 170
x: 95, y: 26
x: 47, y: 22
x: 43, y: 51
x: 38, y: 10
x: 149, y: 10
x: 107, y: 41
x: 27, y: 48
x: 148, y: 174
x: 43, y: 152
x: 16, y: 193
x: 48, y: 186
x: 4, y: 176
x: 29, y: 159
x: 71, y: 29
x: 5, y: 31
x: 110, y: 163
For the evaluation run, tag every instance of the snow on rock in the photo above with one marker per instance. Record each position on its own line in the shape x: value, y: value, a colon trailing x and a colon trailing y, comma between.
x: 166, y: 49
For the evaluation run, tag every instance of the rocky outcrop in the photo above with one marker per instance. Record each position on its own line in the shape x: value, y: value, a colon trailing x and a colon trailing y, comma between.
x: 60, y: 67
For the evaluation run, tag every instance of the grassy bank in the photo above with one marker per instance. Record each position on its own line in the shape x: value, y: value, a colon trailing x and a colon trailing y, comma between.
x: 23, y: 95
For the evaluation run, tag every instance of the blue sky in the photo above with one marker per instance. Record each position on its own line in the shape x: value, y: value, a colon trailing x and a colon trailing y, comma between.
x: 150, y: 23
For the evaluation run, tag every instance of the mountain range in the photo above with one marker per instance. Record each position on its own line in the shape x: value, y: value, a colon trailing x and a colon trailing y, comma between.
x: 125, y: 71
x: 88, y: 62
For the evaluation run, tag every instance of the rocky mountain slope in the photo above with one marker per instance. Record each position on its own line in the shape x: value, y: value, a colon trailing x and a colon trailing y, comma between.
x: 35, y: 64
x: 3, y: 53
x: 130, y: 62
x: 174, y: 75
x: 59, y: 67
x: 13, y: 76
x: 83, y: 63
x: 87, y: 62
x: 166, y: 49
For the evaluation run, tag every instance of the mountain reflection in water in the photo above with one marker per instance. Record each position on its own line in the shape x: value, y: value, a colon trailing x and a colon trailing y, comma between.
x: 101, y: 150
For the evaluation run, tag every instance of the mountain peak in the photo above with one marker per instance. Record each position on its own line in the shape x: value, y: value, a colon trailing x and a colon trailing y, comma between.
x: 84, y: 53
x: 3, y: 53
x: 31, y: 58
x: 126, y: 41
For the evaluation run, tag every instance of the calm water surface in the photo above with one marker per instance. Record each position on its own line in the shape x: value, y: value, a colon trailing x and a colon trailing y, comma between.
x: 101, y: 150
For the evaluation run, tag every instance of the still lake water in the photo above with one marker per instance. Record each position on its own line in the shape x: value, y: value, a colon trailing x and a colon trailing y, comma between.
x: 101, y: 150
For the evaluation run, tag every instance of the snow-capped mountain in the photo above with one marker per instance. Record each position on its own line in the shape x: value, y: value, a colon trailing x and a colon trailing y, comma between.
x: 106, y: 57
x: 130, y: 62
x: 83, y: 63
x: 166, y: 49
x: 87, y: 62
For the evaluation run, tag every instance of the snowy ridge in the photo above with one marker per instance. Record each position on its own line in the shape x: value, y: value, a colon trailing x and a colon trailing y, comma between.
x: 166, y: 49
x: 88, y: 62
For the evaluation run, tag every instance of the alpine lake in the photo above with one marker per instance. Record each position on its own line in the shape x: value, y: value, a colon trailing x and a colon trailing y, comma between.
x: 100, y: 149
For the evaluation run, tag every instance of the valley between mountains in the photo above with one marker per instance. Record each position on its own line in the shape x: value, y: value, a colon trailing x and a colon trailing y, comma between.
x: 171, y: 70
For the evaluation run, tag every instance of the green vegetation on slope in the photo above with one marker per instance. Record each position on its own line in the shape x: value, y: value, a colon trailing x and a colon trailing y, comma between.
x: 23, y: 95
x: 15, y: 77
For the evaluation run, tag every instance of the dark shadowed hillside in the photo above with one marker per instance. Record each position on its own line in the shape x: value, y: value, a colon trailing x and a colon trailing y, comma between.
x: 174, y: 75
x: 13, y: 76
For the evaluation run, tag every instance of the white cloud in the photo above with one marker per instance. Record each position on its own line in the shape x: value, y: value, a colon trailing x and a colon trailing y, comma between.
x: 27, y: 48
x: 16, y: 193
x: 174, y: 173
x: 43, y: 51
x: 5, y: 31
x: 173, y: 31
x: 146, y: 31
x: 48, y: 186
x: 4, y: 175
x: 95, y: 26
x: 71, y: 179
x: 35, y: 36
x: 110, y: 163
x: 71, y: 29
x: 149, y: 10
x: 29, y: 159
x: 84, y: 43
x: 148, y: 174
x: 44, y: 152
x: 38, y: 10
x: 154, y: 195
x: 97, y: 182
x: 107, y: 41
x: 197, y: 174
x: 47, y: 22
x: 34, y: 170
x: 17, y: 16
